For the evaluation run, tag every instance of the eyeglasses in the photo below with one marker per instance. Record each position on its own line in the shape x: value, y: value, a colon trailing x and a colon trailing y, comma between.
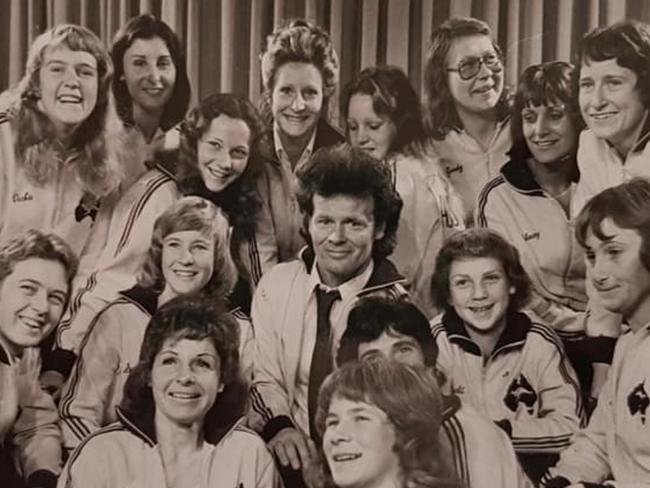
x: 469, y: 67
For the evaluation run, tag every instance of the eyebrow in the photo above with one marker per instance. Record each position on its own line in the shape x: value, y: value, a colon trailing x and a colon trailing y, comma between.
x: 62, y: 61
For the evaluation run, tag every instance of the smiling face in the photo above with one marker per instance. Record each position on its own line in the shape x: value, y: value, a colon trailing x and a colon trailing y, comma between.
x: 359, y: 442
x: 149, y: 73
x: 297, y: 99
x: 621, y: 280
x: 343, y: 232
x: 68, y: 82
x: 549, y: 132
x: 32, y: 298
x: 393, y: 346
x: 187, y: 262
x: 367, y: 130
x: 480, y: 293
x: 223, y: 152
x: 610, y: 102
x: 185, y: 380
x: 481, y: 93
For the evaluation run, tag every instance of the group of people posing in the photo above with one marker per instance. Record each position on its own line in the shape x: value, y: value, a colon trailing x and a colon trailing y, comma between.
x: 452, y: 291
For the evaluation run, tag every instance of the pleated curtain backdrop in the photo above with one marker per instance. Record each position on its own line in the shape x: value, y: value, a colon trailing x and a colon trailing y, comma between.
x: 224, y: 38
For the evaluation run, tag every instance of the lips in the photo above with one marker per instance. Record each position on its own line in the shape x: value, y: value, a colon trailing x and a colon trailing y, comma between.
x: 183, y: 395
x: 218, y: 173
x: 482, y: 309
x: 483, y: 89
x: 32, y: 323
x: 186, y: 274
x: 602, y: 115
x: 546, y: 143
x: 69, y: 99
x: 345, y: 457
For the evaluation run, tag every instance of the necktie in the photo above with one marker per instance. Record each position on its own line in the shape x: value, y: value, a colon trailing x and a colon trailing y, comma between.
x: 321, y: 359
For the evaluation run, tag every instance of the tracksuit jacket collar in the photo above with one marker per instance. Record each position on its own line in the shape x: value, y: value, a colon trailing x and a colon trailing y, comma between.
x: 326, y: 135
x: 513, y: 336
x: 518, y: 174
x: 384, y: 273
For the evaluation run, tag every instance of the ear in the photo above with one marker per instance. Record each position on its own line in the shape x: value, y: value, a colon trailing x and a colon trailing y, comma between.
x: 512, y: 290
x: 221, y: 387
x: 380, y: 231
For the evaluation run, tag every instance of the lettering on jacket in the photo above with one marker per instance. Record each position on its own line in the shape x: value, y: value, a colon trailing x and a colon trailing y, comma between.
x: 454, y: 169
x: 530, y: 235
x: 22, y: 197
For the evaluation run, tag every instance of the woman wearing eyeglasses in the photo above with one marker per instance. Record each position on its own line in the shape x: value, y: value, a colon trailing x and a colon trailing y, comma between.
x: 467, y: 104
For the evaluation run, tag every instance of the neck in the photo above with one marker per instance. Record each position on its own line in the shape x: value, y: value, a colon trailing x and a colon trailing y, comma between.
x: 555, y: 177
x: 295, y: 146
x: 625, y: 145
x: 166, y: 295
x: 640, y: 317
x: 175, y: 439
x: 147, y: 121
x: 487, y: 341
x: 13, y: 350
x: 480, y: 126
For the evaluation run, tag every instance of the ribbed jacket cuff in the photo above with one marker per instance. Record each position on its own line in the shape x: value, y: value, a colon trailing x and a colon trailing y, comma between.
x: 275, y: 425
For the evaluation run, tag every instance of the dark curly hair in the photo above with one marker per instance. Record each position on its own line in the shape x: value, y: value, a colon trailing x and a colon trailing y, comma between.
x: 392, y: 95
x: 146, y: 26
x: 345, y: 170
x: 627, y: 205
x: 372, y: 316
x: 440, y: 113
x: 628, y: 43
x: 193, y: 318
x: 410, y: 398
x: 544, y: 84
x: 480, y: 243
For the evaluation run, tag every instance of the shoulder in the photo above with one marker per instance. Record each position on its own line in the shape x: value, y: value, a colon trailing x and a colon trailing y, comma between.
x: 495, y: 186
x: 243, y: 440
x: 280, y: 278
x: 438, y: 328
x: 542, y: 335
x: 103, y: 446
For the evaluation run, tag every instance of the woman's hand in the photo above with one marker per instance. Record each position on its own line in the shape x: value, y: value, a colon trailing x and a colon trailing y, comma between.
x: 8, y: 401
x: 27, y: 372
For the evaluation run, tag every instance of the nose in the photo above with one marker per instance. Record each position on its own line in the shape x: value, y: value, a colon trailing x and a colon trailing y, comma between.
x: 598, y: 99
x: 224, y: 160
x: 39, y: 302
x: 484, y: 71
x: 155, y: 74
x: 478, y: 291
x: 337, y: 235
x: 185, y: 375
x: 338, y: 434
x: 298, y: 102
x: 541, y: 126
x: 71, y: 77
x: 186, y: 255
x: 598, y: 270
x: 362, y: 136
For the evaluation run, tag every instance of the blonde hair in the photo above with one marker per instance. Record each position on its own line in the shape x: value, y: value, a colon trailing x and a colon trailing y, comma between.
x: 199, y: 214
x: 98, y: 168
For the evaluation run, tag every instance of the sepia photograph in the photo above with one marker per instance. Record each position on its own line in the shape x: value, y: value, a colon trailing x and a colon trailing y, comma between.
x: 324, y: 243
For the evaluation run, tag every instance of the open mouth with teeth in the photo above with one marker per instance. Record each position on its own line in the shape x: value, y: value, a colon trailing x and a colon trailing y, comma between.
x: 344, y: 457
x: 546, y: 143
x: 602, y: 115
x: 74, y: 99
x: 218, y: 173
x: 185, y: 273
x: 32, y: 323
x: 483, y: 309
x: 484, y: 89
x: 181, y: 395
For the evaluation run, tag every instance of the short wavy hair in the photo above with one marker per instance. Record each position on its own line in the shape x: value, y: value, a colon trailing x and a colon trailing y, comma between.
x: 393, y: 96
x: 36, y: 244
x: 35, y: 137
x: 480, y: 243
x: 628, y: 42
x: 198, y: 214
x: 410, y: 398
x: 299, y: 41
x: 146, y: 26
x: 544, y: 84
x: 440, y: 114
x: 193, y: 318
x: 373, y: 316
x: 627, y: 205
x: 239, y: 200
x: 349, y: 171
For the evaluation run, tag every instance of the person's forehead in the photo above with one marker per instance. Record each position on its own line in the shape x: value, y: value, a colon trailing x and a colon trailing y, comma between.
x: 342, y: 203
x: 467, y: 46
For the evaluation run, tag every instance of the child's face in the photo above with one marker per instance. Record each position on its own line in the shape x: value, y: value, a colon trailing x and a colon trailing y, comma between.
x: 617, y: 273
x: 480, y: 293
